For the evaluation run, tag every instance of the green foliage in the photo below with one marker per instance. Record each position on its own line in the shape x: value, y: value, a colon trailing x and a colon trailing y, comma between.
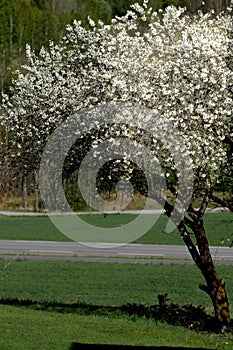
x: 21, y: 24
x: 96, y: 9
x: 41, y: 4
x: 119, y: 7
x: 205, y: 6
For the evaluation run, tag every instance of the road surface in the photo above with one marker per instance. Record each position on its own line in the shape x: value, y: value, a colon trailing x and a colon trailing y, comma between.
x: 104, y: 252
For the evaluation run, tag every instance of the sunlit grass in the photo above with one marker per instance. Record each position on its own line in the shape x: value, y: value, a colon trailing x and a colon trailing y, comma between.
x: 23, y: 328
x: 218, y: 226
x: 106, y: 284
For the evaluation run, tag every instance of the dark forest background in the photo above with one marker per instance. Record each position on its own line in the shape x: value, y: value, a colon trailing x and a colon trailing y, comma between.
x: 36, y: 22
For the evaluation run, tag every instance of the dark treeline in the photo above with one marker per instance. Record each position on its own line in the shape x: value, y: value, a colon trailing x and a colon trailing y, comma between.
x: 36, y: 22
x: 26, y: 22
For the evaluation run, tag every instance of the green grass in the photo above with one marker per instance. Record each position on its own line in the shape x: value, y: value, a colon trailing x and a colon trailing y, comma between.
x: 218, y: 226
x: 106, y: 284
x: 29, y: 228
x: 100, y: 284
x: 24, y: 329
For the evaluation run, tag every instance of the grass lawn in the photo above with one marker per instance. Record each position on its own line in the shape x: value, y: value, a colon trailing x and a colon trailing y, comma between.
x: 24, y: 329
x: 100, y: 284
x: 218, y: 226
x: 106, y: 284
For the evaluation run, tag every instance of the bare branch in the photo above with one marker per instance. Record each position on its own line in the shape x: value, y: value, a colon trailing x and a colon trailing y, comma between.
x: 205, y: 202
x: 222, y: 202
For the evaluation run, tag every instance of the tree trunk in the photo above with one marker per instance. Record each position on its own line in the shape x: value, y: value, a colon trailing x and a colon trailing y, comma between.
x: 25, y: 192
x: 201, y: 255
x: 218, y: 295
x: 6, y: 168
x: 215, y: 287
x: 1, y: 163
x: 36, y: 177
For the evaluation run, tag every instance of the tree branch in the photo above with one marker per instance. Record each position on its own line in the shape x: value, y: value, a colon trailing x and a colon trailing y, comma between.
x: 190, y: 245
x: 205, y: 202
x: 204, y: 288
x: 222, y: 202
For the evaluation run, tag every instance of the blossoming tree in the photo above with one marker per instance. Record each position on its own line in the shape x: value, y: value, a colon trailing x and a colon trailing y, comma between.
x: 177, y: 67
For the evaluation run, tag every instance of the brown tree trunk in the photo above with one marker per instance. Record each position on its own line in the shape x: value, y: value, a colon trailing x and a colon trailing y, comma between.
x: 6, y: 168
x: 1, y: 163
x: 201, y: 255
x: 36, y: 178
x: 25, y: 192
x: 214, y: 287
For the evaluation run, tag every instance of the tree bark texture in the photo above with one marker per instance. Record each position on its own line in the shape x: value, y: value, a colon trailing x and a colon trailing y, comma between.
x: 214, y: 287
x: 25, y: 192
x: 201, y: 255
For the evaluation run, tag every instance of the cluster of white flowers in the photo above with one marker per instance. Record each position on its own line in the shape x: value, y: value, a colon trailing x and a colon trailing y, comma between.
x: 175, y: 65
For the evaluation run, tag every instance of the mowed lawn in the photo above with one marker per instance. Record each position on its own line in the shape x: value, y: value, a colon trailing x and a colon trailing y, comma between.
x: 104, y: 283
x: 26, y: 329
x: 100, y: 284
x: 219, y: 227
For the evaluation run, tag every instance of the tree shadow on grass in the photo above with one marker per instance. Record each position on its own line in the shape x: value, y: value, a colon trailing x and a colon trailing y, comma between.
x: 188, y: 316
x: 80, y: 346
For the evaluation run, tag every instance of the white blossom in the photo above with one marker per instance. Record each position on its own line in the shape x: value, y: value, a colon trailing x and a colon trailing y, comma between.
x: 176, y: 66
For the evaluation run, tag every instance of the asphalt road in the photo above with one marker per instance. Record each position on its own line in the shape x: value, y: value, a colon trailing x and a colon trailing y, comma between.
x: 104, y: 252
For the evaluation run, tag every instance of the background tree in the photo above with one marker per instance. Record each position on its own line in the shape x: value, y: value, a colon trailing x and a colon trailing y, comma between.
x: 206, y: 6
x: 119, y: 8
x: 27, y: 22
x: 96, y: 9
